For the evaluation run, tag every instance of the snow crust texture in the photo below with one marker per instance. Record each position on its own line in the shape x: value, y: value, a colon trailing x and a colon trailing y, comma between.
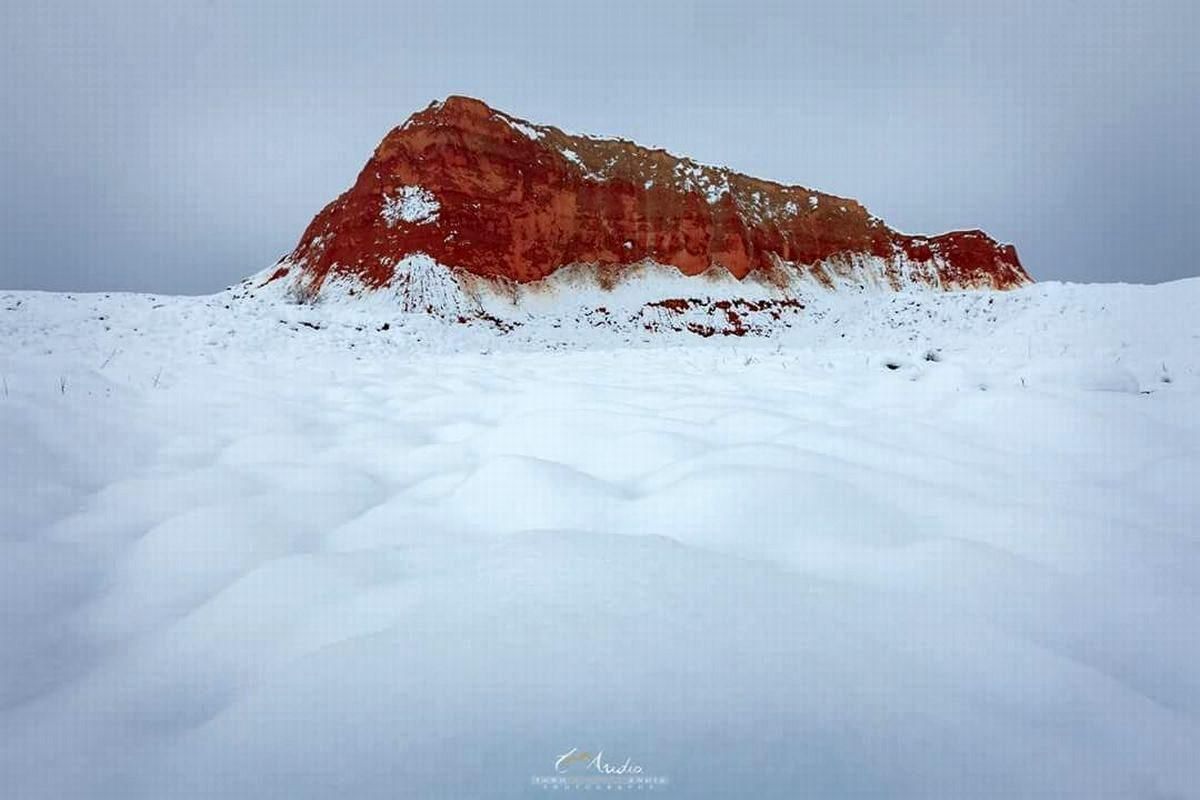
x: 914, y: 545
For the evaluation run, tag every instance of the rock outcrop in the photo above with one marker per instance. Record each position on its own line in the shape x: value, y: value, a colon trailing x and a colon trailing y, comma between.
x: 502, y: 204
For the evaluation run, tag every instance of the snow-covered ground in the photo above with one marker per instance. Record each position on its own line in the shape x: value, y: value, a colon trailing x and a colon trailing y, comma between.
x: 916, y: 546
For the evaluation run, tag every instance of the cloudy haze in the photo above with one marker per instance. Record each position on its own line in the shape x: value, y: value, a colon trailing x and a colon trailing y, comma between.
x: 176, y: 147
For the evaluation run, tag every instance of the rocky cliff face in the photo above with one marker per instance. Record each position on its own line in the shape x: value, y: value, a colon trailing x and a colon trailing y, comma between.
x: 501, y: 205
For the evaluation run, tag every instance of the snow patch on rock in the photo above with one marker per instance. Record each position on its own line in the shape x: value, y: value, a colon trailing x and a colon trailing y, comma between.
x: 415, y: 205
x: 523, y: 128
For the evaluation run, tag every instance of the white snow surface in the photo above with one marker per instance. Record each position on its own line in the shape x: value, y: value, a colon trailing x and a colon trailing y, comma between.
x: 411, y: 204
x: 916, y: 545
x: 576, y: 296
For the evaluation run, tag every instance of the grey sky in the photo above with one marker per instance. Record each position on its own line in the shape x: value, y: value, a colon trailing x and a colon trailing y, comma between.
x: 176, y: 147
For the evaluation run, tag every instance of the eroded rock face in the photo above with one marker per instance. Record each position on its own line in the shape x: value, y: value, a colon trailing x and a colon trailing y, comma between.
x: 478, y: 190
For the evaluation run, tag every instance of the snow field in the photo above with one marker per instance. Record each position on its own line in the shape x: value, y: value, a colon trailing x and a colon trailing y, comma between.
x: 244, y: 556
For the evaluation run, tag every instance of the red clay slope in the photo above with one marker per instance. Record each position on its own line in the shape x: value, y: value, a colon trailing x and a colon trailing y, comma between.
x: 482, y: 191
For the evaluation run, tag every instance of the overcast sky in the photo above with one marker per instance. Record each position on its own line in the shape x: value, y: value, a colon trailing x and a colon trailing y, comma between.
x: 175, y: 147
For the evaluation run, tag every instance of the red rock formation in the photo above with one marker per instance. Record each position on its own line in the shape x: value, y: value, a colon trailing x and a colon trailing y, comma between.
x: 476, y: 189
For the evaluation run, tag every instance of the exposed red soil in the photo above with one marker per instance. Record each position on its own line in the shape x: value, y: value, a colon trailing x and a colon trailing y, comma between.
x: 520, y: 201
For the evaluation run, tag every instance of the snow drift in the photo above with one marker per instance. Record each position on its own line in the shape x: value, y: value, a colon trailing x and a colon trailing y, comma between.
x: 915, y: 545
